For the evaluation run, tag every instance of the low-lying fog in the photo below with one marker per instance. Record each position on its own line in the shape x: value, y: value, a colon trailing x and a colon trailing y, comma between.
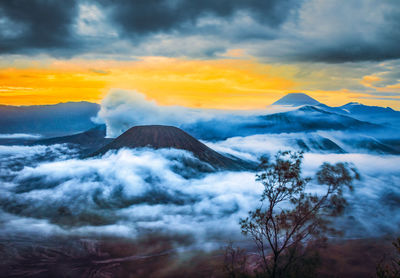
x: 48, y: 190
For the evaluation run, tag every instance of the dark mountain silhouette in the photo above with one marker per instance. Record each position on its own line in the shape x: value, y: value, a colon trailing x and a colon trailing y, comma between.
x: 159, y: 136
x: 303, y: 119
x: 358, y: 108
x: 319, y: 144
x: 88, y: 141
x: 296, y: 99
x: 373, y: 114
x: 310, y: 118
x: 380, y: 115
x: 48, y: 120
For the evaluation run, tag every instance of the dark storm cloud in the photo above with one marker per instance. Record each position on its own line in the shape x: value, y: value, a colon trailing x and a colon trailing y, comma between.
x: 50, y: 27
x: 383, y: 48
x: 381, y: 44
x: 286, y: 30
x: 336, y: 32
x: 142, y: 17
x: 45, y: 25
x: 351, y: 52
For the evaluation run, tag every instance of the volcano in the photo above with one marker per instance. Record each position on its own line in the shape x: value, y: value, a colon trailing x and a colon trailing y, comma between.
x: 160, y: 137
x: 296, y: 99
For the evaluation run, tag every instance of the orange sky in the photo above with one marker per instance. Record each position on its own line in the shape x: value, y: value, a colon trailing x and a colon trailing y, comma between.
x: 224, y: 83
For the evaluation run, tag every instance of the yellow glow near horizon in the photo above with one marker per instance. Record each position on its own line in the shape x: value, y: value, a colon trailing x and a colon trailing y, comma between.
x: 224, y: 83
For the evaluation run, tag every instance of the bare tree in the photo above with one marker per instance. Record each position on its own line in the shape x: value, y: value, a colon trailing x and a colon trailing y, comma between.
x: 290, y: 218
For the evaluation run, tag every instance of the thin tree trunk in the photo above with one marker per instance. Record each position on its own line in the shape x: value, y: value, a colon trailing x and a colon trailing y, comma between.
x: 275, y: 265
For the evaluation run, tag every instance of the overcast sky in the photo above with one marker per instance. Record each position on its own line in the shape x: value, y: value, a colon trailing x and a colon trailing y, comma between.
x: 333, y: 50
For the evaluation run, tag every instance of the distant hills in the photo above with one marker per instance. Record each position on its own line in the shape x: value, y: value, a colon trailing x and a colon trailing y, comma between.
x: 306, y: 114
x: 88, y: 141
x: 361, y: 127
x: 48, y: 120
x: 311, y: 118
x: 374, y: 114
x: 304, y: 118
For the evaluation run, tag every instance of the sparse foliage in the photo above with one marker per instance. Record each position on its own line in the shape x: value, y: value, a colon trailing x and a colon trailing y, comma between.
x: 290, y: 218
x: 235, y: 261
x: 390, y: 269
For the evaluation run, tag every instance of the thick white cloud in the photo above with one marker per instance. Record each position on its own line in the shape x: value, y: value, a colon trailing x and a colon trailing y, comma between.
x: 253, y: 146
x: 373, y: 207
x: 129, y: 192
x: 122, y: 109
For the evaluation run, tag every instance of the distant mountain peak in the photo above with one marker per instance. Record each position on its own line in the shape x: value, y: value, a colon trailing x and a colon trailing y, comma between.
x: 296, y: 99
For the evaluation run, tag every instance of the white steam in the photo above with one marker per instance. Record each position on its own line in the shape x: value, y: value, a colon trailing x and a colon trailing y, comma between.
x: 121, y: 109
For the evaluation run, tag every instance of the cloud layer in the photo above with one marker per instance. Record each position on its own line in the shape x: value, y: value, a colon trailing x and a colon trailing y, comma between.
x: 132, y: 192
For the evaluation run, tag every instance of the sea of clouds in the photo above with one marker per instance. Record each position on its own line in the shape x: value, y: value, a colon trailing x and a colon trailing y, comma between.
x: 128, y: 193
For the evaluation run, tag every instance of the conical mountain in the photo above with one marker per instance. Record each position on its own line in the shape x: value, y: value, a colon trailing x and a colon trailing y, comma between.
x: 296, y: 99
x: 159, y: 136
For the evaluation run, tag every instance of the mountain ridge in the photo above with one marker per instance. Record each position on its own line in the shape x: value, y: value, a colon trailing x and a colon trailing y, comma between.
x: 162, y: 136
x: 48, y: 120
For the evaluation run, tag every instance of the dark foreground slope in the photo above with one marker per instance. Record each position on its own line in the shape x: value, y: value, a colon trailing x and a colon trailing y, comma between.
x: 159, y: 137
x: 39, y: 257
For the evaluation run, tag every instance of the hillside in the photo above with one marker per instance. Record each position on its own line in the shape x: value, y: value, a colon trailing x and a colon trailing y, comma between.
x: 160, y: 137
